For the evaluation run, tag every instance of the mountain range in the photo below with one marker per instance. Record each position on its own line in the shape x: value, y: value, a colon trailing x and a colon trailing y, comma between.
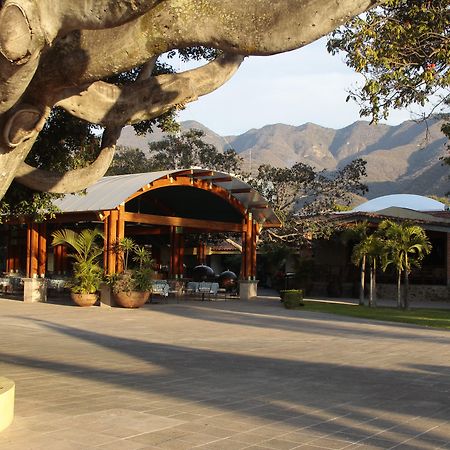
x: 400, y: 159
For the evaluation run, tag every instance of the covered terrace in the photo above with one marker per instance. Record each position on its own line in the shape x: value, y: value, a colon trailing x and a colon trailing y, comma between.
x: 163, y: 206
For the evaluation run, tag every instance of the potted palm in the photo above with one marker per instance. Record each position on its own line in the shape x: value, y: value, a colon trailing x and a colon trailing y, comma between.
x: 132, y: 287
x: 87, y: 273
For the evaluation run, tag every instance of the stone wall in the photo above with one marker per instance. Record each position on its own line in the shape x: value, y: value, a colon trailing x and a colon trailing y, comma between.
x: 417, y: 292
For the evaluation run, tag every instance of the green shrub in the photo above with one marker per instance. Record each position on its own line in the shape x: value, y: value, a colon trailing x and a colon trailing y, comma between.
x: 292, y: 298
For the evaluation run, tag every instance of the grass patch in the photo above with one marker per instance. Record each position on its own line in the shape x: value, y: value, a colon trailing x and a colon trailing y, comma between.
x: 434, y: 318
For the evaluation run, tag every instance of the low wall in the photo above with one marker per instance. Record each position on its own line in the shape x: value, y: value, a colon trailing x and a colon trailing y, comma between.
x: 418, y: 292
x: 7, y: 391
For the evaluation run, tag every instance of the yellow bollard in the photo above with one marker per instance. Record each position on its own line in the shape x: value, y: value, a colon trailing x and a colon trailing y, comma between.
x: 7, y: 391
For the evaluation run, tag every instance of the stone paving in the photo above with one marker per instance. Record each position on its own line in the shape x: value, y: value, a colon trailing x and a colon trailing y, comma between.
x: 220, y: 375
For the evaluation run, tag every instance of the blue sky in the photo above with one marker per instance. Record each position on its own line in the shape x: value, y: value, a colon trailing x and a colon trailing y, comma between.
x: 306, y: 85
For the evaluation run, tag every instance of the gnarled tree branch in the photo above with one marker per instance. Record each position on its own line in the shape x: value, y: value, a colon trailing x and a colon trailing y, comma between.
x: 106, y: 104
x: 253, y: 27
x: 73, y: 180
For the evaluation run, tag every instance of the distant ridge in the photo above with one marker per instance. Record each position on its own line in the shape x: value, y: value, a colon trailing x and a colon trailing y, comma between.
x: 400, y: 159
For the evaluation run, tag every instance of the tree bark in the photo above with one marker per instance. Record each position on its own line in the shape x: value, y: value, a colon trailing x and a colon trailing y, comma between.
x: 47, y: 47
x: 362, y: 281
x: 406, y: 298
x: 399, y: 289
x: 109, y: 105
x: 371, y: 282
x: 74, y: 180
x: 256, y: 27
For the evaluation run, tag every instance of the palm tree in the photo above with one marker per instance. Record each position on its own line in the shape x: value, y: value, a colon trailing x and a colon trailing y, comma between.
x: 85, y: 251
x: 370, y: 249
x: 359, y: 233
x: 406, y: 246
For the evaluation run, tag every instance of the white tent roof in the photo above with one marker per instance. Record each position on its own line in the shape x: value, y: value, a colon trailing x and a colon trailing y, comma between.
x: 408, y: 201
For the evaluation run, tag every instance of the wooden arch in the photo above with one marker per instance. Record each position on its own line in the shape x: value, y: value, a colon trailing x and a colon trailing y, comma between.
x: 114, y: 223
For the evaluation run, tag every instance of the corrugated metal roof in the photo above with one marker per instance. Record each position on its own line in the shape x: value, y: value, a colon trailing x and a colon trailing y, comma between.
x: 110, y: 192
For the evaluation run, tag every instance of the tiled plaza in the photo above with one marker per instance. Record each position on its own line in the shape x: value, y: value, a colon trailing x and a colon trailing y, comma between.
x: 220, y: 375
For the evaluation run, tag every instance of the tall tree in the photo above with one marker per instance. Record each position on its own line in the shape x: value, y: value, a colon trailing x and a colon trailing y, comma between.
x: 405, y: 246
x: 302, y: 197
x: 188, y: 150
x: 358, y: 233
x: 370, y: 248
x: 70, y: 53
x: 129, y: 160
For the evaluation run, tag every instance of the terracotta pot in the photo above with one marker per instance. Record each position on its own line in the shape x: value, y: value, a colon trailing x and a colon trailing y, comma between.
x: 84, y: 299
x: 132, y: 299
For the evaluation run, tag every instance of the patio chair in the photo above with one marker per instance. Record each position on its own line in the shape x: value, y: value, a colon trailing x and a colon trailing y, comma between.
x: 160, y: 288
x: 208, y: 289
x: 191, y: 288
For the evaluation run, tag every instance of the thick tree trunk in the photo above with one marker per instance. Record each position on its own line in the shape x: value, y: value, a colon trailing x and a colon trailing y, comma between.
x: 406, y: 298
x: 374, y: 285
x: 362, y: 281
x: 371, y: 283
x: 47, y: 47
x: 374, y: 268
x: 399, y: 289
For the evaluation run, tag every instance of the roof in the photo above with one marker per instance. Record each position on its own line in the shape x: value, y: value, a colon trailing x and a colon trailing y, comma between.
x: 409, y: 201
x: 110, y: 192
x: 427, y: 220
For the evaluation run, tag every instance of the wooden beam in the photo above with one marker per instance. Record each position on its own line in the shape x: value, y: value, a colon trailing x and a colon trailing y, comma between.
x: 205, y: 185
x: 74, y: 217
x: 152, y: 219
x: 144, y: 231
x: 220, y: 179
x: 240, y: 191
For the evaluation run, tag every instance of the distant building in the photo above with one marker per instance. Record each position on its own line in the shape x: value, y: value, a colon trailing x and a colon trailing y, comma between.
x: 335, y: 275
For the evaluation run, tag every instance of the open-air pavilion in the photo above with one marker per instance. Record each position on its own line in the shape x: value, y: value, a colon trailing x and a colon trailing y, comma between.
x: 162, y: 207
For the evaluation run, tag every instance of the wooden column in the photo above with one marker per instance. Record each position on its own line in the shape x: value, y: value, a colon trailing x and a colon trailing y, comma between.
x: 243, y: 253
x: 180, y: 254
x: 201, y: 253
x: 120, y: 234
x: 253, y: 249
x: 105, y: 245
x: 176, y: 252
x: 9, y: 253
x: 248, y: 246
x: 172, y: 259
x: 42, y: 249
x: 32, y: 249
x: 249, y: 236
x: 110, y: 241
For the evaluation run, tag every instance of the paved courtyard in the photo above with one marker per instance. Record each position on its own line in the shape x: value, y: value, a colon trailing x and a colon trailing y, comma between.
x: 220, y: 375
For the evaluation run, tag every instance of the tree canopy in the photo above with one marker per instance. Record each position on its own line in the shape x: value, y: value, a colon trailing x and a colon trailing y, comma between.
x: 176, y: 151
x: 301, y: 196
x: 402, y: 49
